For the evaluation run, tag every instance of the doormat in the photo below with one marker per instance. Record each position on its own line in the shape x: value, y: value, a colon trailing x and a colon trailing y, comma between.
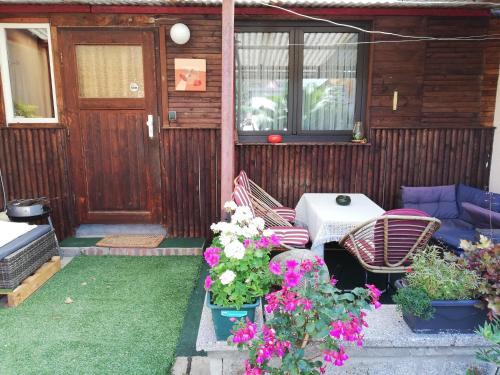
x: 132, y: 241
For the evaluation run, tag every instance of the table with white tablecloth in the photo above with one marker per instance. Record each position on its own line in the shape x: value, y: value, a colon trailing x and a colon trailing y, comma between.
x: 328, y: 221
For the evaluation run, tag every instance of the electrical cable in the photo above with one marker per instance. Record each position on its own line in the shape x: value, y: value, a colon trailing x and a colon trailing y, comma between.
x: 375, y: 32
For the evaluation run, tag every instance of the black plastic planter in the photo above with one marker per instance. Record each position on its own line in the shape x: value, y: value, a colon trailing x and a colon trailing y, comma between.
x: 450, y: 317
x: 462, y: 316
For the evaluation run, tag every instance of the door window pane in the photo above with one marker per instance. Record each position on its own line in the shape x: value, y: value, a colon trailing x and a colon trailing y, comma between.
x: 110, y: 71
x: 329, y: 81
x: 29, y: 72
x: 262, y: 81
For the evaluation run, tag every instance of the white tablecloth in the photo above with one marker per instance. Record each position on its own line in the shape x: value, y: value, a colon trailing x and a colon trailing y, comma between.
x: 327, y: 221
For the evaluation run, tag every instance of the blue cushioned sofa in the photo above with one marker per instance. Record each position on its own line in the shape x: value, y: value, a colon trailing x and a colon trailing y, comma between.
x: 464, y: 211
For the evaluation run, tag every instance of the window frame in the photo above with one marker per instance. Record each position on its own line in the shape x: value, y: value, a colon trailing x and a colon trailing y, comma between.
x: 296, y: 31
x: 10, y: 118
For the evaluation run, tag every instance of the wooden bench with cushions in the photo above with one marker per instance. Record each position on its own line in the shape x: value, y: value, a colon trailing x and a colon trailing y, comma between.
x: 22, y: 256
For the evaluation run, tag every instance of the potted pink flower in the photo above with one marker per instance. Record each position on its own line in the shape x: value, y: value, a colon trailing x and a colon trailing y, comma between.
x: 239, y: 276
x: 309, y: 322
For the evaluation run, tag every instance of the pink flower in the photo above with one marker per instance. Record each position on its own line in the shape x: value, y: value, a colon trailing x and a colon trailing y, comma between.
x: 247, y: 243
x: 246, y: 333
x: 291, y: 264
x: 333, y: 281
x: 212, y: 256
x: 249, y: 370
x: 275, y: 241
x: 306, y: 304
x: 291, y: 279
x: 319, y: 261
x: 275, y: 268
x: 336, y: 357
x: 272, y: 302
x: 208, y: 282
x: 263, y: 242
x: 375, y: 295
x: 306, y: 266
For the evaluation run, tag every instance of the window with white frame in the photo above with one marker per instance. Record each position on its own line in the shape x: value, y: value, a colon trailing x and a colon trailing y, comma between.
x: 27, y: 73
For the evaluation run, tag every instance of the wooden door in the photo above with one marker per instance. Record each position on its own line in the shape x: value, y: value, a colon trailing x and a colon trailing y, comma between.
x: 111, y: 110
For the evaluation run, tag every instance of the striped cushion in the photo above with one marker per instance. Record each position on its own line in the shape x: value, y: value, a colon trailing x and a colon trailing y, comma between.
x: 242, y: 198
x: 286, y: 213
x: 243, y: 180
x: 292, y: 236
x: 365, y: 248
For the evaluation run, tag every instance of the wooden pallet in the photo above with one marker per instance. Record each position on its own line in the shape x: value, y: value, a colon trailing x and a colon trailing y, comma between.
x: 31, y: 284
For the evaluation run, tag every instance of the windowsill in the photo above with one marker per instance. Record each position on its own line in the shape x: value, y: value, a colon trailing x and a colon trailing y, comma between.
x: 303, y: 143
x: 42, y: 125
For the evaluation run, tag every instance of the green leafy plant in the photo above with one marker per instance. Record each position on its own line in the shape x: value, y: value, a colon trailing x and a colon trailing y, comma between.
x: 239, y: 258
x: 491, y: 332
x: 414, y: 301
x: 308, y: 310
x: 25, y: 110
x: 440, y: 277
x: 434, y: 277
x: 484, y: 258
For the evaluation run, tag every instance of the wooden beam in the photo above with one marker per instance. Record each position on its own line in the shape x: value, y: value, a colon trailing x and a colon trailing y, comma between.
x: 227, y: 103
x: 34, y: 282
x: 131, y: 9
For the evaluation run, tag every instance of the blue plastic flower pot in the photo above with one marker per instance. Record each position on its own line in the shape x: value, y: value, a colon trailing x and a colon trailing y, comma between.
x: 455, y: 316
x: 221, y: 317
x: 461, y: 316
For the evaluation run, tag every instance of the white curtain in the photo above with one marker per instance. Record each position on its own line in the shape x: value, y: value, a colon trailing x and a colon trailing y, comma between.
x: 329, y: 81
x: 262, y: 81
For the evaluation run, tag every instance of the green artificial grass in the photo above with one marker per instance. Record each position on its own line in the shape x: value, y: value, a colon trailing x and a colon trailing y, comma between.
x: 126, y: 317
x: 166, y: 243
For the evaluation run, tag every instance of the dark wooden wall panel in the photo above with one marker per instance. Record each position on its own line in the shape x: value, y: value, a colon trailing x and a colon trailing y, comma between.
x: 453, y: 73
x: 395, y: 157
x: 196, y: 109
x: 191, y: 172
x: 34, y: 164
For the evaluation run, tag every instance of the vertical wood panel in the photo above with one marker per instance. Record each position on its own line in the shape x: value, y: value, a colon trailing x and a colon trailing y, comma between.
x: 191, y: 172
x: 34, y: 164
x: 396, y: 157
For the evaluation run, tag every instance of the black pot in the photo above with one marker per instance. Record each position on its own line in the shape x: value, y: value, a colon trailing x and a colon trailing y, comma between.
x: 455, y: 316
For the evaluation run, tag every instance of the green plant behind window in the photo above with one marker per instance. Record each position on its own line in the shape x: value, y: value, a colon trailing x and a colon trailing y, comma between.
x: 25, y: 110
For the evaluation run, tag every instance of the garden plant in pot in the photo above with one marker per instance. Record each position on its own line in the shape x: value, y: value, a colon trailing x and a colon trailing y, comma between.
x: 238, y: 258
x: 308, y: 321
x: 439, y: 295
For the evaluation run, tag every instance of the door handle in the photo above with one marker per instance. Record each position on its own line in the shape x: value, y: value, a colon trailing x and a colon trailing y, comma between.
x: 149, y: 124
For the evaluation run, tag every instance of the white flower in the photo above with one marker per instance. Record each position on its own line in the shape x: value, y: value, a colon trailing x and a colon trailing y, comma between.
x: 230, y: 206
x: 484, y: 242
x: 248, y: 231
x: 242, y: 215
x: 259, y: 223
x: 466, y: 245
x: 235, y: 249
x: 268, y: 232
x: 226, y: 238
x: 227, y: 277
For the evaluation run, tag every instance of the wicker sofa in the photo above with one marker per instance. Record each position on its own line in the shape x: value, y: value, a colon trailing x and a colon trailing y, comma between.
x: 24, y: 255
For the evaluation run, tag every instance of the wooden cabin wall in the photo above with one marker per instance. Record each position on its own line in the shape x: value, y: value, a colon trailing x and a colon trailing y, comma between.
x: 34, y: 163
x: 430, y: 139
x: 394, y: 157
x: 191, y: 144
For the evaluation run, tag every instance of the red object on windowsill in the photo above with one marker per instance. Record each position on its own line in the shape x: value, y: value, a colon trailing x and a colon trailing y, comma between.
x: 274, y: 138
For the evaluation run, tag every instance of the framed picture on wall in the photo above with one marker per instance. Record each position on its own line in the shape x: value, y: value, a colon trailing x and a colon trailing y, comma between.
x: 190, y: 74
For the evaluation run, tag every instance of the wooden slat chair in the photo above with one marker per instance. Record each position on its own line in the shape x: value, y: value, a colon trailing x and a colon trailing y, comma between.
x: 388, y: 243
x: 260, y: 195
x: 291, y: 237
